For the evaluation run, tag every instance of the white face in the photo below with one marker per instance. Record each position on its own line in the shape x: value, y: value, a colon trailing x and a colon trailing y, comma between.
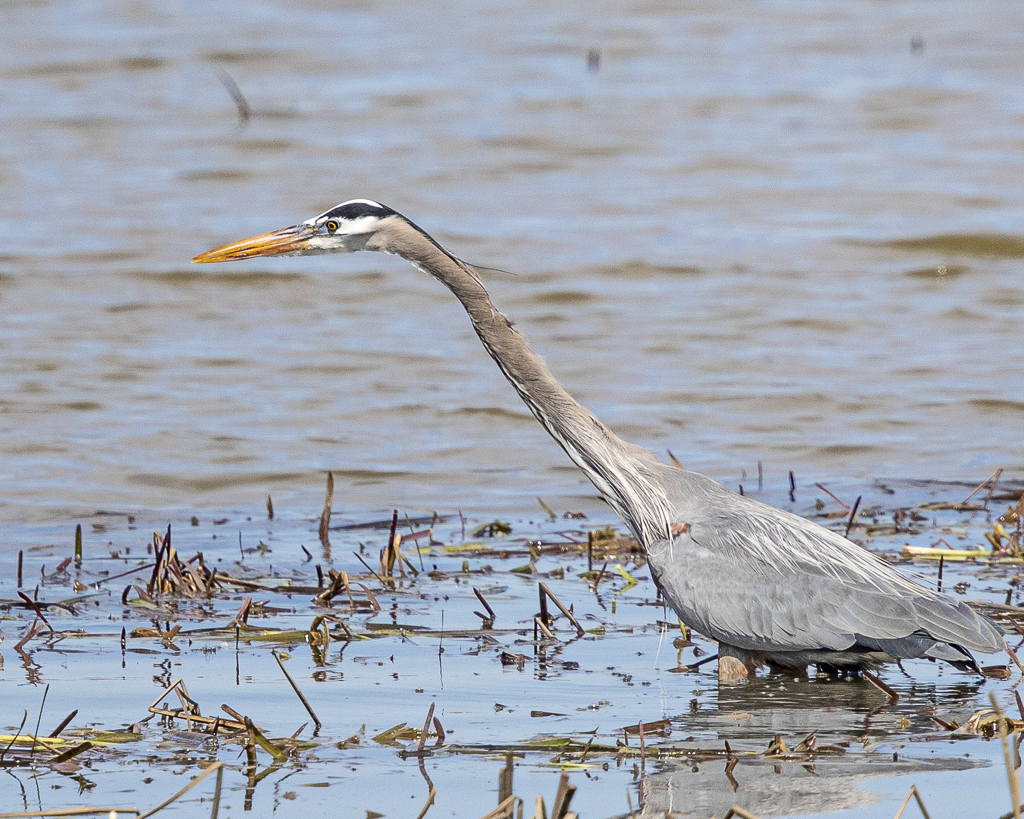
x: 346, y: 226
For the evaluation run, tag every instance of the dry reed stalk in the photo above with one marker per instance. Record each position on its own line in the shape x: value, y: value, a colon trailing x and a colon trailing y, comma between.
x: 35, y: 607
x: 371, y: 571
x: 325, y: 515
x: 834, y: 497
x: 16, y: 735
x: 33, y: 630
x: 488, y: 619
x: 505, y: 779
x: 1012, y: 775
x: 70, y: 753
x: 881, y: 686
x: 426, y: 728
x: 370, y: 596
x: 853, y: 517
x: 504, y: 809
x: 544, y: 590
x: 426, y: 807
x: 1014, y: 657
x: 991, y: 481
x: 913, y: 792
x: 63, y: 724
x: 643, y: 752
x: 736, y: 810
x: 564, y: 795
x: 299, y: 694
x: 260, y: 739
x: 190, y: 712
x: 387, y: 555
x: 216, y: 766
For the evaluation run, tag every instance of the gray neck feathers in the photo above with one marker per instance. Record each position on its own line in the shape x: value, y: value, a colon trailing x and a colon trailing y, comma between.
x: 625, y: 474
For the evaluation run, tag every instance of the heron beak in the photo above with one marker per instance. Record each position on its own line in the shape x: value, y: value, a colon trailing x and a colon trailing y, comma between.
x: 293, y: 239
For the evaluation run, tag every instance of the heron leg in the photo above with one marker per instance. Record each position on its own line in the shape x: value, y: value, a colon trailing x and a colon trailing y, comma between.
x: 735, y: 663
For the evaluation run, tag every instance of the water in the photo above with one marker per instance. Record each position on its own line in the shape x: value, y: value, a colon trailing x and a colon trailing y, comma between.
x: 426, y: 647
x: 746, y: 236
x: 749, y: 233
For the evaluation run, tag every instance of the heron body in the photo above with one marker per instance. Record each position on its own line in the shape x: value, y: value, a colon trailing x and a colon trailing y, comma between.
x: 769, y: 586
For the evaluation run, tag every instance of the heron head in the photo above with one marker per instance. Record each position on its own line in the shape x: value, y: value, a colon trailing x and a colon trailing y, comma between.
x: 346, y: 228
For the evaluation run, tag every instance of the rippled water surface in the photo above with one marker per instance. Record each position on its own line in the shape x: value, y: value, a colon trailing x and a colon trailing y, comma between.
x: 744, y: 233
x: 757, y: 234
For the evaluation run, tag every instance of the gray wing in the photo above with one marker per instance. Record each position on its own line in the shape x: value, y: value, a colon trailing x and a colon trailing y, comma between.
x: 763, y: 579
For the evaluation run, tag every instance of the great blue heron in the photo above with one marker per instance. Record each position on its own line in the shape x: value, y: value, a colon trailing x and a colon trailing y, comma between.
x: 768, y: 585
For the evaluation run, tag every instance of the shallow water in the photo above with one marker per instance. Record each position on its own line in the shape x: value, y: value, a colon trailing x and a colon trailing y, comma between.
x: 759, y: 235
x: 426, y: 646
x: 754, y: 233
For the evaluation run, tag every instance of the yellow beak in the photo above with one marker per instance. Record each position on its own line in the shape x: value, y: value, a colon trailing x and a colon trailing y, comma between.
x: 286, y: 240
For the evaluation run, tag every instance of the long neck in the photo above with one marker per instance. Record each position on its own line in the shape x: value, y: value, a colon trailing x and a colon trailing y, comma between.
x: 625, y: 474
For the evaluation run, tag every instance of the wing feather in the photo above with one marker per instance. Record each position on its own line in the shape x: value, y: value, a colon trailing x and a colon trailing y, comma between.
x: 766, y: 580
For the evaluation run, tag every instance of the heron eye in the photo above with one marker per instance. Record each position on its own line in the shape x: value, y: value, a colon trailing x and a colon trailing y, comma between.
x: 332, y: 226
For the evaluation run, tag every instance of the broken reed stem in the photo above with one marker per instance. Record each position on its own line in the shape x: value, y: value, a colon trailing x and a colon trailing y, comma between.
x: 572, y: 617
x: 505, y: 779
x: 33, y: 630
x: 426, y: 727
x: 325, y: 515
x: 216, y: 766
x: 260, y: 739
x: 371, y: 571
x: 78, y: 546
x: 503, y: 810
x: 836, y: 499
x: 736, y: 810
x: 643, y: 749
x: 16, y: 735
x: 295, y: 688
x: 1011, y: 773
x: 881, y: 686
x: 992, y: 479
x: 64, y: 724
x: 913, y: 792
x: 491, y: 616
x: 37, y: 610
x: 426, y: 807
x: 71, y: 753
x: 217, y: 787
x: 39, y: 719
x: 1013, y: 656
x: 387, y: 558
x: 853, y: 517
